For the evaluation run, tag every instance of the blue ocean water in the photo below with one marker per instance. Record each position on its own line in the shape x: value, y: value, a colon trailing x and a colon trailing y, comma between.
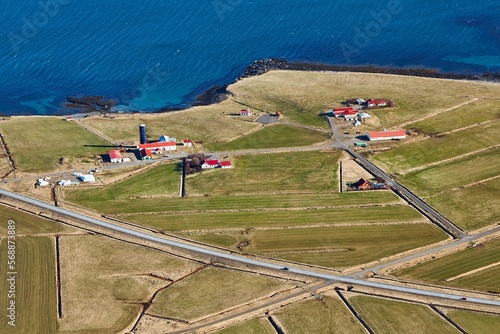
x: 151, y: 54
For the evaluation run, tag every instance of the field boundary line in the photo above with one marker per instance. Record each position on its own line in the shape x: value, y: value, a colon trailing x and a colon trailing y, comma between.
x: 94, y: 131
x: 441, y: 162
x: 470, y: 126
x: 354, y: 312
x: 474, y: 271
x: 447, y: 319
x: 439, y: 111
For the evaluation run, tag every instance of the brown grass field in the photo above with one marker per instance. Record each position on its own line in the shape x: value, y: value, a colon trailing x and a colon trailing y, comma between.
x: 388, y: 316
x: 210, y: 291
x: 318, y: 317
x: 35, y: 286
x: 103, y: 293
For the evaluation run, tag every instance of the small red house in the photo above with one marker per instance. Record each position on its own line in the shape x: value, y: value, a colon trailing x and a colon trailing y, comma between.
x: 245, y: 112
x: 115, y: 156
x: 207, y: 164
x: 226, y: 164
x: 377, y: 103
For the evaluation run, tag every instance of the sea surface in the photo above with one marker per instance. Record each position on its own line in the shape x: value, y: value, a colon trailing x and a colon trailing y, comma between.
x: 152, y: 54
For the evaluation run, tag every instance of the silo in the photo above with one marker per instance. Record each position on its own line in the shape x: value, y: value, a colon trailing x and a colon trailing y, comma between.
x: 142, y: 134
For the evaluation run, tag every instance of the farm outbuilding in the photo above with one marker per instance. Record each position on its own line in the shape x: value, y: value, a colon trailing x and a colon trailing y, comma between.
x: 207, y: 164
x: 87, y: 178
x: 225, y: 164
x: 159, y: 146
x: 386, y: 135
x: 145, y: 154
x: 115, y: 156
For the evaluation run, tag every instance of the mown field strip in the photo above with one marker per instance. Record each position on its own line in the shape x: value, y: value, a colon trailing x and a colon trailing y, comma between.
x: 258, y: 219
x: 473, y: 272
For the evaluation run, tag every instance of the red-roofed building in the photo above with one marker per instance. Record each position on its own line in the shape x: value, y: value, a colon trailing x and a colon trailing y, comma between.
x: 245, y: 112
x: 115, y: 156
x: 337, y: 112
x: 387, y: 135
x: 159, y: 146
x: 226, y: 164
x: 187, y: 142
x: 207, y: 164
x: 350, y: 114
x: 145, y: 154
x: 363, y: 184
x: 377, y: 103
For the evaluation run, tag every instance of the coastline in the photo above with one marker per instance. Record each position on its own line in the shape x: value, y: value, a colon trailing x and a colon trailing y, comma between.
x: 217, y: 94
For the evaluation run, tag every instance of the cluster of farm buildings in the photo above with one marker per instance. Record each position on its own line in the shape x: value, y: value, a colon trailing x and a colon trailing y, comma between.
x: 355, y: 111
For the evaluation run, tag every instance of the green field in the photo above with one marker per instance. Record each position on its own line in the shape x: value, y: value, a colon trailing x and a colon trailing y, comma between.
x: 445, y: 177
x: 387, y: 316
x: 475, y: 323
x: 212, y: 290
x: 470, y: 208
x: 273, y: 136
x: 439, y: 148
x: 47, y: 140
x: 276, y: 218
x: 29, y: 224
x: 270, y: 173
x: 342, y: 246
x: 472, y: 113
x: 321, y: 317
x: 35, y: 286
x: 441, y: 269
x: 254, y: 326
x: 158, y: 180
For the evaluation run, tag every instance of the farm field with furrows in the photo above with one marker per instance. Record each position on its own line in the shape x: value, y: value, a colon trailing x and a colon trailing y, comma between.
x: 35, y: 286
x: 477, y: 267
x: 389, y: 316
x: 314, y: 316
x: 35, y: 151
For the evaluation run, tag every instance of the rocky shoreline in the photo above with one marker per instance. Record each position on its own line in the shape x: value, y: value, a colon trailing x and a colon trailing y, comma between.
x: 219, y: 93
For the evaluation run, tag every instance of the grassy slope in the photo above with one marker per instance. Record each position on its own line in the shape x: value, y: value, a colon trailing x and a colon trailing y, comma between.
x: 273, y: 136
x: 387, y: 316
x: 37, y: 143
x: 318, y: 317
x: 36, y: 296
x: 438, y: 270
x: 211, y: 290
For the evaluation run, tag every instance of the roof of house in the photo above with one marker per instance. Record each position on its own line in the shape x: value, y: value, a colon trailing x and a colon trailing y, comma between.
x: 342, y: 109
x: 115, y: 154
x: 145, y: 153
x: 211, y: 162
x: 378, y: 101
x: 156, y: 145
x: 387, y: 134
x: 350, y: 112
x: 186, y: 141
x: 225, y: 163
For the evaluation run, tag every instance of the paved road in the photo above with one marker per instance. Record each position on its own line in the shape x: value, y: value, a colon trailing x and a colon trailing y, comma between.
x: 413, y: 199
x: 241, y: 259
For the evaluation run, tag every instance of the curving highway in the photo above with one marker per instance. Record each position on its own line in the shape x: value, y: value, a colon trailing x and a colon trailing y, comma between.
x: 241, y: 259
